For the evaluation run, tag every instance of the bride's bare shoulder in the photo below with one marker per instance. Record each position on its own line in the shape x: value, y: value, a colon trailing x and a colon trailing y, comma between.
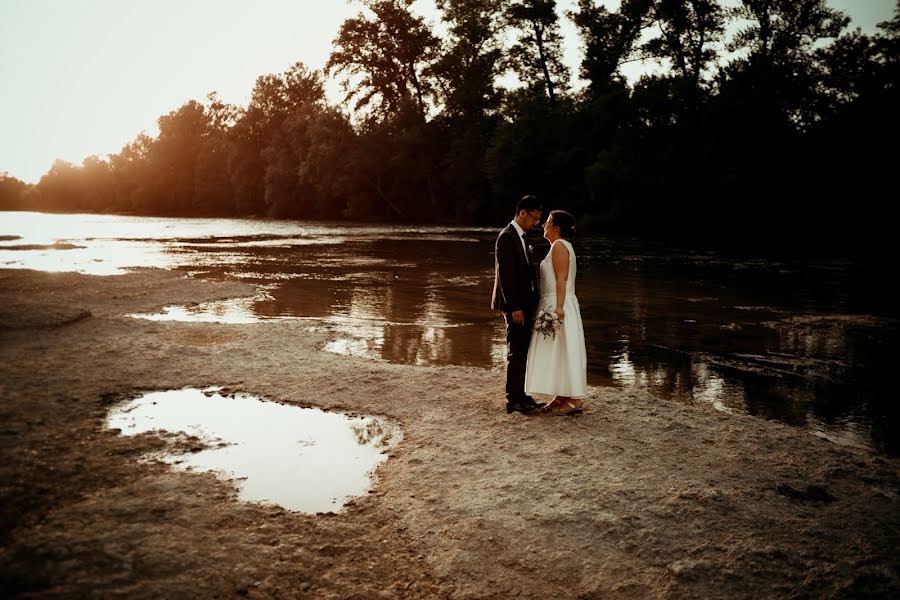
x: 559, y: 252
x: 559, y: 246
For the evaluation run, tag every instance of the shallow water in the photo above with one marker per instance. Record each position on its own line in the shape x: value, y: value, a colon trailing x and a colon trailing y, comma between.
x: 809, y: 343
x: 303, y: 459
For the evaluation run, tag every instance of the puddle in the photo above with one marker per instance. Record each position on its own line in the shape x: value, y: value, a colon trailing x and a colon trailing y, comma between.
x: 303, y: 459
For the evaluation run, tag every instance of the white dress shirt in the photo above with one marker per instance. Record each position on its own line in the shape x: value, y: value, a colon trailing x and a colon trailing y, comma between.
x: 522, y: 239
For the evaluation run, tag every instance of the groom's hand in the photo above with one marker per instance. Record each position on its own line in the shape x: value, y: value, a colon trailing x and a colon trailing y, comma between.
x: 518, y: 317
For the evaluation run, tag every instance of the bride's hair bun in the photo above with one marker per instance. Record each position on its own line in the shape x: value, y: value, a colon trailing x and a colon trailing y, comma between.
x: 566, y: 223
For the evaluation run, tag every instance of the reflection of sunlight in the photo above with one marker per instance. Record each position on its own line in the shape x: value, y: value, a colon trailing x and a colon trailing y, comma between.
x: 304, y: 459
x: 265, y: 276
x: 433, y: 308
x: 695, y: 382
x: 367, y: 304
x: 361, y: 347
x: 46, y: 228
x: 433, y: 341
x: 362, y: 323
x: 286, y: 242
x: 708, y: 386
x: 113, y: 244
x: 92, y: 257
x: 849, y: 434
x: 233, y: 311
x: 622, y: 369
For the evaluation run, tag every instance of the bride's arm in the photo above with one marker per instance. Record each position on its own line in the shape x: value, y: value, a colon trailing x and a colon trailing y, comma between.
x: 560, y: 257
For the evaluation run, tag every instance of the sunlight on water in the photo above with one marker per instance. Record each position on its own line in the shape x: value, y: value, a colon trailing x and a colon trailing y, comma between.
x: 235, y: 311
x: 105, y: 247
x: 700, y: 385
x: 851, y: 434
x: 303, y: 459
x: 94, y: 258
x: 622, y: 369
x: 710, y: 388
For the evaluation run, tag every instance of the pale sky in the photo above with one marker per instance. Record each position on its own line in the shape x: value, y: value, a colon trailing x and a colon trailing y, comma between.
x: 84, y: 77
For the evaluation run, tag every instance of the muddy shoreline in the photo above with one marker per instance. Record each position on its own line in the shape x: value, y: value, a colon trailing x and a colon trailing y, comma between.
x: 635, y: 498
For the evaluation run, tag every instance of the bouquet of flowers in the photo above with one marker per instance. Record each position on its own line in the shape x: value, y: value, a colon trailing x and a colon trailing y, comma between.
x: 547, y: 323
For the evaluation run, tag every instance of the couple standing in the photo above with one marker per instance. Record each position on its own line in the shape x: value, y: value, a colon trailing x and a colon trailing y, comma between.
x: 553, y: 365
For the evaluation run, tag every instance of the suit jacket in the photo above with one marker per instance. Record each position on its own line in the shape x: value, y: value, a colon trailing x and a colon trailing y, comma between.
x: 515, y: 282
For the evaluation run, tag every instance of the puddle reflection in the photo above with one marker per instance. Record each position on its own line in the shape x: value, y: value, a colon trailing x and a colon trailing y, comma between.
x: 303, y: 459
x: 235, y: 311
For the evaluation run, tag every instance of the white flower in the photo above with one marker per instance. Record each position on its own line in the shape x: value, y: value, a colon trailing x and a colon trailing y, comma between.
x: 547, y: 323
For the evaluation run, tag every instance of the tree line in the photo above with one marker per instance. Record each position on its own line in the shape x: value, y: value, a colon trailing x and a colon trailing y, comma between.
x: 766, y: 119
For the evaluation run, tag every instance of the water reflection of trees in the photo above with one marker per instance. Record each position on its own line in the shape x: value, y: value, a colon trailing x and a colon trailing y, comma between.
x: 433, y: 336
x: 692, y: 336
x: 371, y: 432
x: 419, y: 313
x: 307, y: 295
x: 653, y: 338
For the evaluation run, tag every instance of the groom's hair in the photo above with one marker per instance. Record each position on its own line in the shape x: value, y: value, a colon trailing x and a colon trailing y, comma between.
x: 528, y: 203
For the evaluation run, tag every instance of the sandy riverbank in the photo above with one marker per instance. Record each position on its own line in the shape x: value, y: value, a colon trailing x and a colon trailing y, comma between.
x: 636, y: 498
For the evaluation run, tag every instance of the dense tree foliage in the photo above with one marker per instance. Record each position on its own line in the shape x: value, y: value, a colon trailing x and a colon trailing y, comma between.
x: 537, y: 53
x: 763, y: 121
x: 15, y: 194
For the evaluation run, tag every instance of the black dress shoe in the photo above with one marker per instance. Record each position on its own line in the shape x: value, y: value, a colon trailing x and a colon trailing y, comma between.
x: 531, y: 401
x: 521, y: 406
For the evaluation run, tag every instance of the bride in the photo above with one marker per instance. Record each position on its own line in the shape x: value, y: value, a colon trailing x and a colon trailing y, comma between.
x: 557, y: 365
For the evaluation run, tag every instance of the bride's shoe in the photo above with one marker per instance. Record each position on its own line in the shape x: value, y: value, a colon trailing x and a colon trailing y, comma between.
x: 560, y: 407
x: 569, y: 409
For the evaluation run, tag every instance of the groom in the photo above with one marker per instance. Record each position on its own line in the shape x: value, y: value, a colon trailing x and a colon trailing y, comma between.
x: 516, y: 296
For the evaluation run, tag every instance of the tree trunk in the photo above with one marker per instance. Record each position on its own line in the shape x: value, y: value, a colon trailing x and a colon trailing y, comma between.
x: 538, y: 36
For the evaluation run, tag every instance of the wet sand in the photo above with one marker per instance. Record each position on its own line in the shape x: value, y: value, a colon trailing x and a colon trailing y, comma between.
x: 636, y: 498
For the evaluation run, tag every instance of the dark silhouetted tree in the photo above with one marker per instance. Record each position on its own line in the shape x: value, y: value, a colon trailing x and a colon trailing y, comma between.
x: 537, y: 53
x: 257, y: 162
x: 132, y: 175
x: 14, y: 194
x: 328, y: 165
x: 610, y: 40
x: 689, y: 33
x: 846, y: 165
x: 471, y: 61
x: 174, y: 156
x: 777, y: 75
x: 384, y: 57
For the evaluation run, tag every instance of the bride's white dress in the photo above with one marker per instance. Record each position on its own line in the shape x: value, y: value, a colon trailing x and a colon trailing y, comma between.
x: 558, y: 365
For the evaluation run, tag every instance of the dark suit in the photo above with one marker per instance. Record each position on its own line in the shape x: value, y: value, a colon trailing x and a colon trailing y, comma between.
x: 515, y: 288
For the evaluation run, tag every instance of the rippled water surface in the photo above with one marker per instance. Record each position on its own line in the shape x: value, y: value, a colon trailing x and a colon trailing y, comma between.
x: 809, y: 343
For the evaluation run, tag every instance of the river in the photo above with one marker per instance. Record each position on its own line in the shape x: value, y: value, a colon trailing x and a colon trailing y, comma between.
x: 810, y: 343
